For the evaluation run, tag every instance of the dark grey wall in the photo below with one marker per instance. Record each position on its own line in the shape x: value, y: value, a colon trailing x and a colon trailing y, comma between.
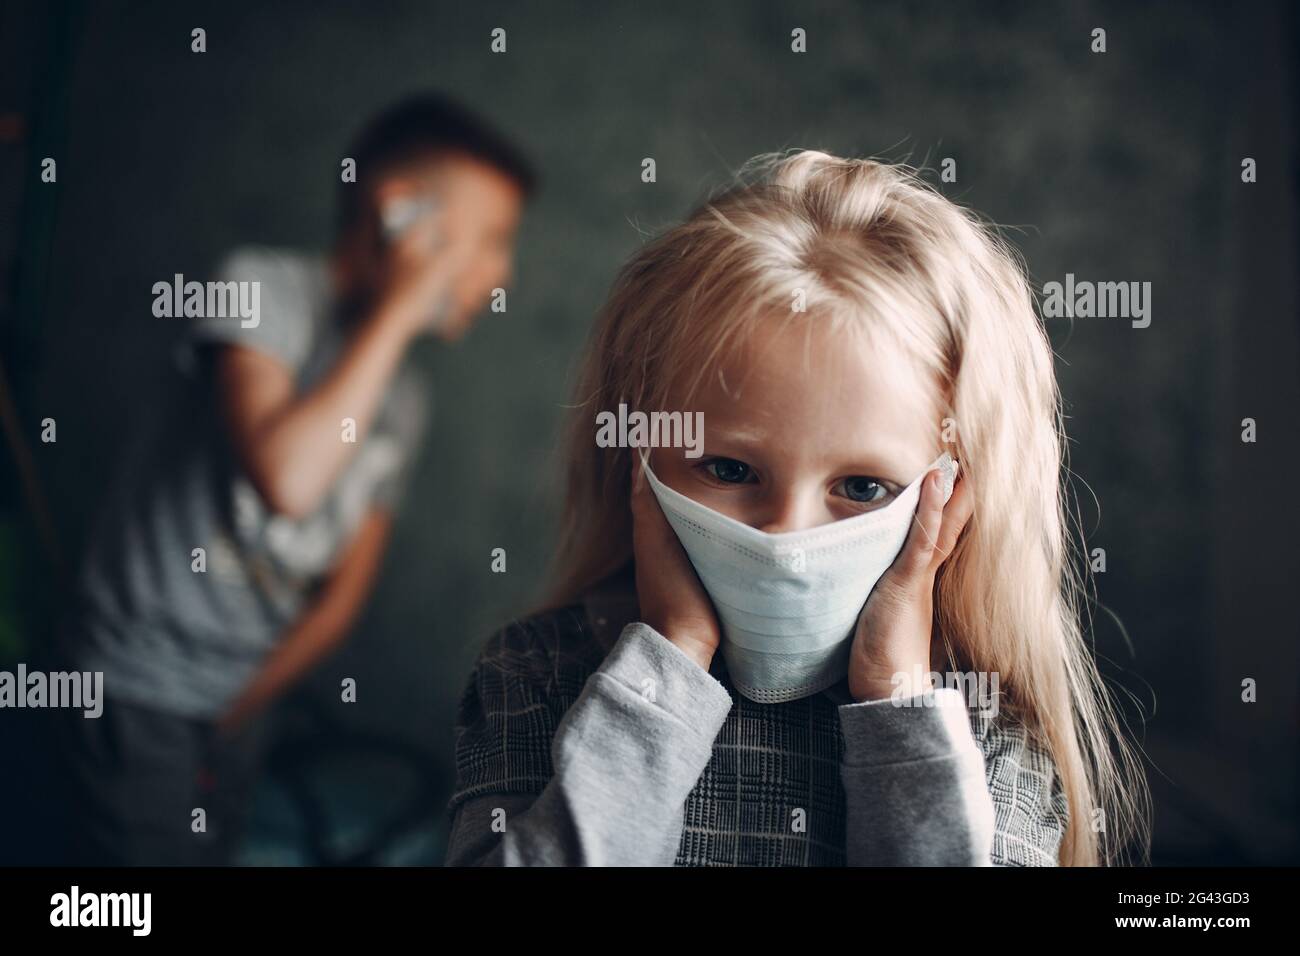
x: 1122, y: 166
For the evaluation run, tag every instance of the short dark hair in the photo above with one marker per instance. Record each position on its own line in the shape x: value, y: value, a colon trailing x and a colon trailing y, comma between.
x: 421, y: 126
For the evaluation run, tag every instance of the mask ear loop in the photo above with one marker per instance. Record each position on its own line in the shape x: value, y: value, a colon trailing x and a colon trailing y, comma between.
x: 639, y: 454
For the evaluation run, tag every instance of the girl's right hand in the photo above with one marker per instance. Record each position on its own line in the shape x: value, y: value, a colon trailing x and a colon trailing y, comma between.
x: 672, y: 599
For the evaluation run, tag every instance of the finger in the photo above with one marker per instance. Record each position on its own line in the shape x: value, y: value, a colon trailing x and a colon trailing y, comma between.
x: 638, y: 479
x: 648, y: 520
x: 641, y: 493
x: 956, y: 515
x: 917, y: 557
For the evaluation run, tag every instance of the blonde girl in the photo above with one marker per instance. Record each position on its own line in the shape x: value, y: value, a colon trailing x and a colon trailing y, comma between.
x: 838, y: 323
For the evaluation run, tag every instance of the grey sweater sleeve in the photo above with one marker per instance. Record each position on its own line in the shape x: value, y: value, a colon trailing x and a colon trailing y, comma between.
x: 924, y: 787
x: 914, y: 783
x: 624, y: 757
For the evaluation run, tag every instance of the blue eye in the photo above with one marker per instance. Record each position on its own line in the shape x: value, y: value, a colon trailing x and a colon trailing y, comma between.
x: 863, y: 490
x: 728, y: 470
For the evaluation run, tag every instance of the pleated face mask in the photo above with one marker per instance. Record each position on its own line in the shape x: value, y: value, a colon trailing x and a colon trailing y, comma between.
x: 788, y: 603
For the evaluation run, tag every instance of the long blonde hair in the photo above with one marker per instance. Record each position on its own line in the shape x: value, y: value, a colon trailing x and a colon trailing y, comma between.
x: 876, y: 249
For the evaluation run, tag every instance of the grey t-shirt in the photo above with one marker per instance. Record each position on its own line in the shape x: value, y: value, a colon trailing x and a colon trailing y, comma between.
x: 187, y: 641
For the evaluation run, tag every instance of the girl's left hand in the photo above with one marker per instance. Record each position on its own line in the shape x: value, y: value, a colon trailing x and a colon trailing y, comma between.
x: 893, y: 633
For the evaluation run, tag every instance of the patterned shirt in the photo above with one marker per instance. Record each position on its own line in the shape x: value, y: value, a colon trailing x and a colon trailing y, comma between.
x: 645, y: 779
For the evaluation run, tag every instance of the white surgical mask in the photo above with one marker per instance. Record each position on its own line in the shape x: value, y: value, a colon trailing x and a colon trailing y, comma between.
x: 789, y: 602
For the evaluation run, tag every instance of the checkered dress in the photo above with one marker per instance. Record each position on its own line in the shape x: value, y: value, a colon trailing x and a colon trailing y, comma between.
x: 767, y: 758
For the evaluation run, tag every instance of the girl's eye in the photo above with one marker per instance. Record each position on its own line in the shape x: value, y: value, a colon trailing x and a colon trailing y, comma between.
x: 728, y: 470
x: 863, y: 490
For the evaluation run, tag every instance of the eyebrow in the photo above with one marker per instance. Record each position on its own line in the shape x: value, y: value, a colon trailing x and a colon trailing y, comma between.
x: 740, y: 436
